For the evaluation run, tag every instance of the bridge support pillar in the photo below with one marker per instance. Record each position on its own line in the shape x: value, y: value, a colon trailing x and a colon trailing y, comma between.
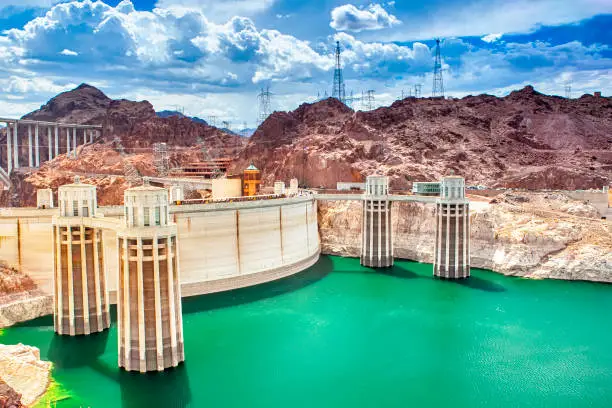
x: 57, y: 143
x: 30, y: 159
x: 81, y: 304
x: 36, y: 147
x: 376, y: 235
x: 452, y: 244
x: 74, y: 141
x: 9, y: 148
x: 50, y: 143
x: 67, y: 141
x: 16, y: 145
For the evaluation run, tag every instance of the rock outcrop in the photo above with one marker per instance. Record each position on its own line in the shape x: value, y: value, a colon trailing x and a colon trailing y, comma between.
x: 526, y: 139
x: 506, y: 237
x: 23, y: 376
x: 20, y: 298
x: 135, y: 123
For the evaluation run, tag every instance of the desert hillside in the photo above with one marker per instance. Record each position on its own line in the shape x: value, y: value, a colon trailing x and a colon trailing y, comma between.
x: 526, y: 139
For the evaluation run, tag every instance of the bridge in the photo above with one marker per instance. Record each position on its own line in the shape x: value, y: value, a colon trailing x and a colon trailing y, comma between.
x: 38, y: 151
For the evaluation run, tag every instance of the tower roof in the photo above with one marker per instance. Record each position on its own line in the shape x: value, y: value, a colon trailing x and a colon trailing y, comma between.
x: 252, y: 167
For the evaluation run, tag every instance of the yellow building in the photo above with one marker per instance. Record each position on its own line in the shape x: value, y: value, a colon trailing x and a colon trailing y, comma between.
x: 252, y: 181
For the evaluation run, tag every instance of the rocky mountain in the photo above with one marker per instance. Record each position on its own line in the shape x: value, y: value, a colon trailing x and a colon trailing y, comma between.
x: 135, y: 123
x: 169, y: 113
x: 525, y: 139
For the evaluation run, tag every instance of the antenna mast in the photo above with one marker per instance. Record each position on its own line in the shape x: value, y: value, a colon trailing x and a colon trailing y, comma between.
x: 438, y: 83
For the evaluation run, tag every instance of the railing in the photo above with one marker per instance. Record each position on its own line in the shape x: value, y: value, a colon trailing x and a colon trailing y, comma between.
x: 228, y: 199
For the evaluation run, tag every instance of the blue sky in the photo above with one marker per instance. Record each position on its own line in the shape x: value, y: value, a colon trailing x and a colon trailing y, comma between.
x: 210, y: 57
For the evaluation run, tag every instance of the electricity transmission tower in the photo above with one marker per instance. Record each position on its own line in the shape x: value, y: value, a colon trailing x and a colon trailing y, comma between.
x: 339, y: 91
x: 212, y: 121
x: 369, y: 100
x: 227, y: 125
x: 568, y: 91
x: 265, y: 106
x: 417, y: 90
x: 132, y: 175
x: 161, y: 159
x: 438, y: 83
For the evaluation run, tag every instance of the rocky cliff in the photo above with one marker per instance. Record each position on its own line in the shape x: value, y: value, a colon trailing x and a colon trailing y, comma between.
x: 526, y: 139
x: 514, y: 235
x: 23, y: 376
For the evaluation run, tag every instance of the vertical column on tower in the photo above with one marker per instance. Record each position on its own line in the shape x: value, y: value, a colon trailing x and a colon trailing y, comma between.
x: 377, y: 234
x: 149, y: 308
x: 452, y: 243
x: 81, y: 304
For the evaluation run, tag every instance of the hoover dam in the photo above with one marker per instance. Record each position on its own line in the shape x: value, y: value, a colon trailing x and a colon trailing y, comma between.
x: 225, y: 245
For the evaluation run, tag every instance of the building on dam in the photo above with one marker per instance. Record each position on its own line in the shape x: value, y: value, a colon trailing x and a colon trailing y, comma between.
x: 81, y: 298
x: 150, y: 322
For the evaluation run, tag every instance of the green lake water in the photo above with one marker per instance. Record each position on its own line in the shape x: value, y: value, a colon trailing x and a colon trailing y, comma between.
x: 340, y: 335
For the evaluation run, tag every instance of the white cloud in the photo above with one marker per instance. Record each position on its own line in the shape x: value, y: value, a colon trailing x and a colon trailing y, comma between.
x: 482, y: 17
x: 220, y: 10
x: 68, y: 52
x: 25, y: 4
x: 180, y: 56
x: 383, y: 59
x: 491, y: 38
x: 21, y: 85
x: 350, y: 18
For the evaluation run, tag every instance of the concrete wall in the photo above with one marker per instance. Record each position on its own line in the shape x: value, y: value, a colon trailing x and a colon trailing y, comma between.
x: 215, y: 242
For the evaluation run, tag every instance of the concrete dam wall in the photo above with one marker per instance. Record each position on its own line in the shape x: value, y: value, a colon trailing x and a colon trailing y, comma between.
x: 220, y: 246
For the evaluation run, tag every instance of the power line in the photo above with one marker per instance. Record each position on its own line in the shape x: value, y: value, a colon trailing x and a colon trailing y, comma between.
x: 438, y: 82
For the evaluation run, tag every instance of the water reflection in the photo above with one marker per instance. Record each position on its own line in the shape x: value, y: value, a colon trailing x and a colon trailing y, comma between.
x: 166, y: 389
x: 77, y: 351
x: 259, y: 292
x: 486, y: 285
x: 399, y: 272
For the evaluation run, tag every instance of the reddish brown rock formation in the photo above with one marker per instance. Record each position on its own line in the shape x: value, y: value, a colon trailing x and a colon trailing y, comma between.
x: 98, y: 164
x: 12, y: 281
x: 135, y: 123
x: 9, y: 398
x: 526, y: 139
